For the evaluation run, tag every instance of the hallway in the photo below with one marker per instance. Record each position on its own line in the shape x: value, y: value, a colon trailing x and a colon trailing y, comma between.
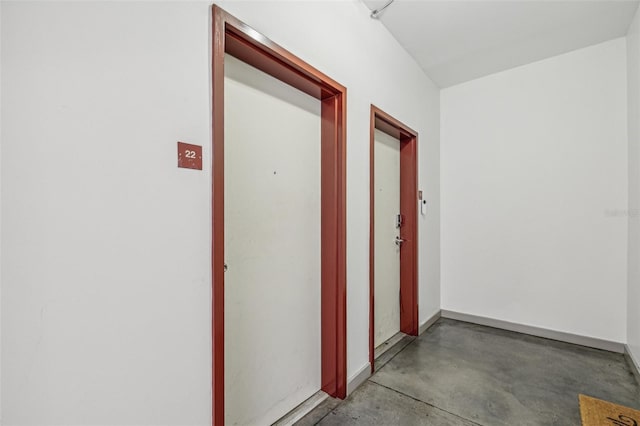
x: 458, y: 373
x: 188, y: 221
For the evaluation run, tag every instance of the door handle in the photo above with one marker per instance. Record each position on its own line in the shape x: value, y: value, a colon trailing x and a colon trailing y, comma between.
x: 399, y: 241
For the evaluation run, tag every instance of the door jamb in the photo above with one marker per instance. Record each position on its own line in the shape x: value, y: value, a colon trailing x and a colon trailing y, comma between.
x: 409, y: 231
x: 234, y: 37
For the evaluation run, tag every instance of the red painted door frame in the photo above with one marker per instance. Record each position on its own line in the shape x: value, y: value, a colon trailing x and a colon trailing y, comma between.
x: 409, y: 230
x: 232, y: 36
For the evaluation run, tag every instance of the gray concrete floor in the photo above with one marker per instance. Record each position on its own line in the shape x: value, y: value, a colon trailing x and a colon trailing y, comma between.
x: 465, y: 374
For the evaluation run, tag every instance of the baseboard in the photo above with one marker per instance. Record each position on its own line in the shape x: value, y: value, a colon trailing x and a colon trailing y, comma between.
x: 384, y: 347
x: 302, y: 410
x: 576, y: 339
x: 428, y: 323
x: 359, y: 378
x: 633, y: 363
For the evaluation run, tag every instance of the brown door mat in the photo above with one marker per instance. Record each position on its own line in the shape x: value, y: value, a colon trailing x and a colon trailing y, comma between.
x: 596, y: 412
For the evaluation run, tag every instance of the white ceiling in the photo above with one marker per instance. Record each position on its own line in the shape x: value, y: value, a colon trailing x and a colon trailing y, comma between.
x: 459, y: 40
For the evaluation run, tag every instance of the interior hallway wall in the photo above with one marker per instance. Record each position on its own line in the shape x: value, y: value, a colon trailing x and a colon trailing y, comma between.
x: 633, y: 96
x: 359, y: 53
x: 105, y: 270
x: 106, y: 282
x: 534, y: 194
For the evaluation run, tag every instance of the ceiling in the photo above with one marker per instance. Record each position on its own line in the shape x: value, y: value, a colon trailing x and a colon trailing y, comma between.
x: 459, y: 40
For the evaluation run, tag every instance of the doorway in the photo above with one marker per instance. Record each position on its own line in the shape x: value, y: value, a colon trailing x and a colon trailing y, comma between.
x: 393, y: 241
x: 272, y: 246
x: 387, y: 224
x: 235, y: 38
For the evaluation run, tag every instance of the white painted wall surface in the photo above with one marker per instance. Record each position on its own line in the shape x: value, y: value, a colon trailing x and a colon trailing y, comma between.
x: 386, y: 271
x: 272, y: 246
x: 534, y: 184
x: 105, y: 277
x: 633, y: 98
x: 105, y: 269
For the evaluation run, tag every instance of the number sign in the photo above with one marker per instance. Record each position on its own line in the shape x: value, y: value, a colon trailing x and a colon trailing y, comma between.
x: 189, y: 156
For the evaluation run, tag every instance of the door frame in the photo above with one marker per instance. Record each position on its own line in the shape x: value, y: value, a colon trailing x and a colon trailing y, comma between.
x: 232, y: 36
x: 409, y: 231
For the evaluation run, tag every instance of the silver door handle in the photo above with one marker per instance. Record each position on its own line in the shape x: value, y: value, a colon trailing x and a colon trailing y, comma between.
x: 399, y: 241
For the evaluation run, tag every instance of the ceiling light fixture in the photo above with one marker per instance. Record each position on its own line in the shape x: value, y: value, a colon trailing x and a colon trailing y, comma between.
x: 376, y: 13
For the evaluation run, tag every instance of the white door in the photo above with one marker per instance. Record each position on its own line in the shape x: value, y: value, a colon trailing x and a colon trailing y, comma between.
x: 386, y: 252
x: 272, y: 245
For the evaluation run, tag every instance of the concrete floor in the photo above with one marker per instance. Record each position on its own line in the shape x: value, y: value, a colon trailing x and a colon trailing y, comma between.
x: 465, y: 374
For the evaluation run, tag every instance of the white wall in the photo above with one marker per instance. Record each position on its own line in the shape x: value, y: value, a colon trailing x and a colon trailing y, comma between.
x: 534, y: 194
x: 375, y: 70
x: 106, y: 244
x: 633, y: 96
x: 106, y: 284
